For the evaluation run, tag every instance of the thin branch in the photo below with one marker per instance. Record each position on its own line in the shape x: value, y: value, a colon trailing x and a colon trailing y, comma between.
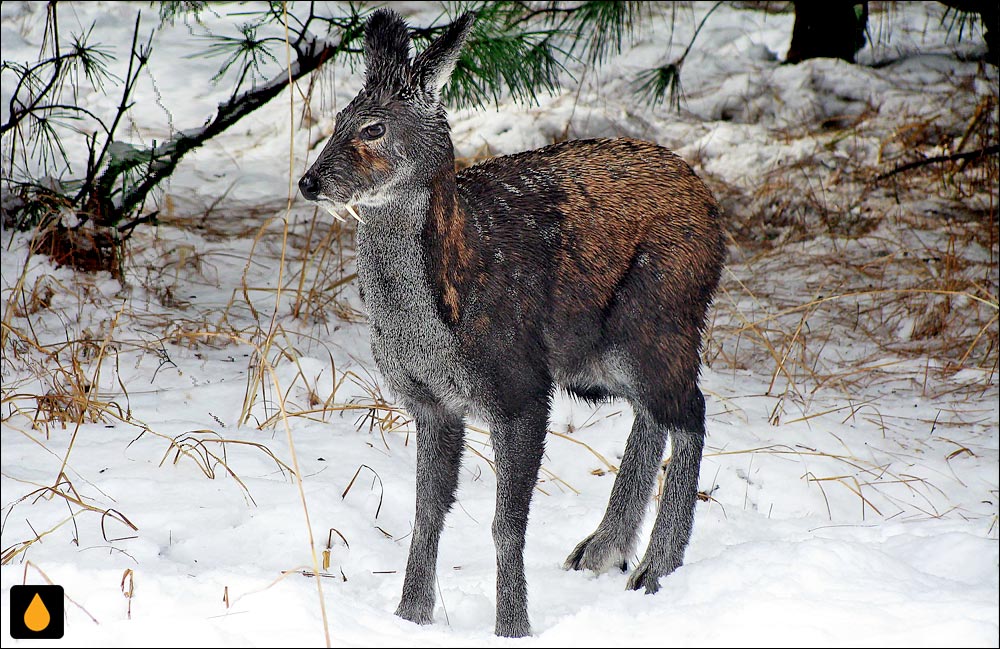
x: 549, y: 12
x: 71, y: 107
x: 105, y: 182
x: 125, y: 230
x: 697, y: 31
x: 57, y: 62
x: 166, y: 156
x: 993, y: 149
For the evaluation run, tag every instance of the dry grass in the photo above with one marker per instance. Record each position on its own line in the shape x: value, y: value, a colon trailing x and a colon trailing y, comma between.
x: 906, y: 267
x: 76, y: 506
x: 900, y: 270
x: 895, y: 289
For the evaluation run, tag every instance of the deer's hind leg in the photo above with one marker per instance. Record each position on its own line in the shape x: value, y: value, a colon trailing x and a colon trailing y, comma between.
x: 656, y: 339
x: 614, y: 541
x: 675, y: 516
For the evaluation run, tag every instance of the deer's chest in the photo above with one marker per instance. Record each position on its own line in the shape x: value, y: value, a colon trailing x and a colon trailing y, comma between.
x: 414, y: 349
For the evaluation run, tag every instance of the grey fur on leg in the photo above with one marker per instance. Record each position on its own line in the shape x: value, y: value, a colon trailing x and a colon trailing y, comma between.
x: 611, y: 545
x: 439, y: 456
x: 675, y: 517
x: 519, y: 445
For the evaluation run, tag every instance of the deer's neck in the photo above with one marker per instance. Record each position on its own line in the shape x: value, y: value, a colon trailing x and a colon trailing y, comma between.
x: 413, y: 261
x: 391, y: 258
x: 426, y: 231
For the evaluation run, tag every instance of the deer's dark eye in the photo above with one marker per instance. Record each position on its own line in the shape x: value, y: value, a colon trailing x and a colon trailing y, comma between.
x: 373, y: 131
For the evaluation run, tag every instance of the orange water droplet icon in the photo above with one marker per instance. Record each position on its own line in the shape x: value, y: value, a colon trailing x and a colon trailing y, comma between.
x: 37, y: 617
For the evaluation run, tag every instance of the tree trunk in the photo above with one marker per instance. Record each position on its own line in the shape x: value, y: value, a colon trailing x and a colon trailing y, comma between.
x: 833, y: 29
x: 990, y: 16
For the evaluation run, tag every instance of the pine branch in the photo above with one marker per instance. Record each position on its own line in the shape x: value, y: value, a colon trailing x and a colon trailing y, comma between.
x: 102, y: 190
x: 163, y: 159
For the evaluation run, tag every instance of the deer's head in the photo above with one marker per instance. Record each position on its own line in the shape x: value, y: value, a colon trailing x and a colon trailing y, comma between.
x: 394, y: 136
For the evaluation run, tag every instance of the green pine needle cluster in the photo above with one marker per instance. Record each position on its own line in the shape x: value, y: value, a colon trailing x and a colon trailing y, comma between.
x: 657, y: 85
x: 521, y: 49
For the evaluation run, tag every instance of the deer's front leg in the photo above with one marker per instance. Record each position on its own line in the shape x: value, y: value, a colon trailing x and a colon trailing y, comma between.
x: 518, y: 443
x: 439, y: 455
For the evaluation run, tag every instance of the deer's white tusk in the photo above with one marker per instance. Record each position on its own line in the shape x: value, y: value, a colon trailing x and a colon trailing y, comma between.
x: 353, y: 213
x: 333, y: 212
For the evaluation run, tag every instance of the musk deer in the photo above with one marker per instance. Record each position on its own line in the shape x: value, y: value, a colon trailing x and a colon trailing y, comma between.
x: 587, y: 264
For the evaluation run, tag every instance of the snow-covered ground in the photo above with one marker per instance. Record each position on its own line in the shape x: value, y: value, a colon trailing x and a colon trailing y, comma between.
x: 851, y: 472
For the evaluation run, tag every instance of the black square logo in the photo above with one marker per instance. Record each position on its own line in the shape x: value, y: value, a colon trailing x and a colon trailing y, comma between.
x: 36, y: 612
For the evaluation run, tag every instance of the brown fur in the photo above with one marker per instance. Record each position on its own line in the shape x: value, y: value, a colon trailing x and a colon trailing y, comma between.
x: 370, y: 162
x: 450, y: 253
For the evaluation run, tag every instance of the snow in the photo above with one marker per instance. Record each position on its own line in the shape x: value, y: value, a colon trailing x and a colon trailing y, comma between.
x: 845, y: 507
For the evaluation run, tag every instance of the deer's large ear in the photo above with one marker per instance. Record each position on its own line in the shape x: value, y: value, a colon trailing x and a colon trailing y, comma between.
x: 433, y: 67
x: 387, y: 49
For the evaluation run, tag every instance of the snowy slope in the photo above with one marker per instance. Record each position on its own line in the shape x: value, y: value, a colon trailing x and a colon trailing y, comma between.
x: 851, y: 488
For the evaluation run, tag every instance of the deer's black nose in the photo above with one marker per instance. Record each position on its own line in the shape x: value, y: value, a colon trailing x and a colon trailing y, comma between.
x: 309, y: 186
